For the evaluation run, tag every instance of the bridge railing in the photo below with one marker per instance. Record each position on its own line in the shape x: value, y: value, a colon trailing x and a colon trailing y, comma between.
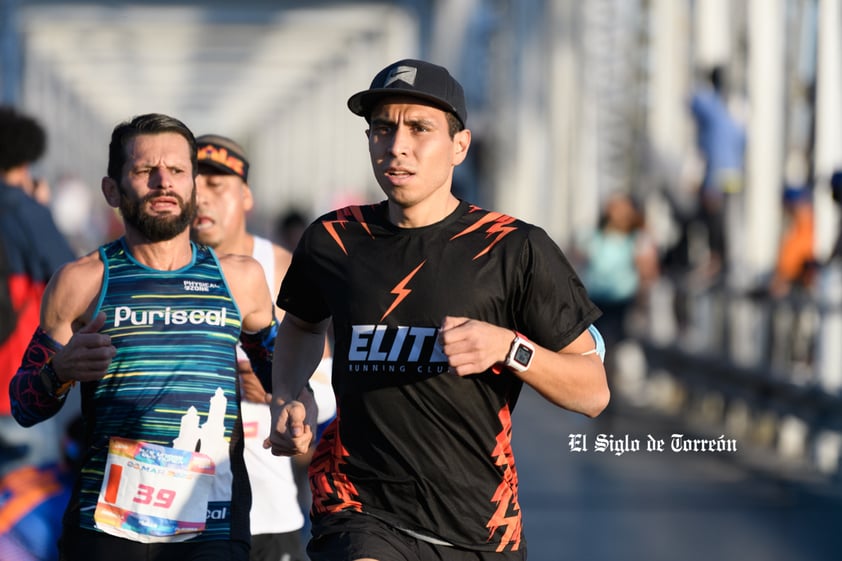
x: 766, y: 371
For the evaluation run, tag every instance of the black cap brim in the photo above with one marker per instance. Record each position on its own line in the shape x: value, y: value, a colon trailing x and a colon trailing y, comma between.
x: 208, y: 167
x: 362, y: 103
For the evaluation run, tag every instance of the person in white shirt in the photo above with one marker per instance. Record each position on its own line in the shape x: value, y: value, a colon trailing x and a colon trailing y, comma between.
x: 224, y: 200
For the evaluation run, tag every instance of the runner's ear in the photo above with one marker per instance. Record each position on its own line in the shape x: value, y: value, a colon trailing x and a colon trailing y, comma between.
x: 111, y: 191
x: 248, y: 197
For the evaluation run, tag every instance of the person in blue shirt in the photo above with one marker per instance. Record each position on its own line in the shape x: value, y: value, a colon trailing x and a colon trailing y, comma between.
x: 721, y: 140
x: 31, y: 250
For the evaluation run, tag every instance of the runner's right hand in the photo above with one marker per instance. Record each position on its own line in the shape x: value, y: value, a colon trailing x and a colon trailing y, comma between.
x: 87, y: 355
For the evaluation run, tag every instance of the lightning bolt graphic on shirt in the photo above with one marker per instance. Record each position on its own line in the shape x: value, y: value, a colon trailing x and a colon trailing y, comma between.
x: 400, y: 291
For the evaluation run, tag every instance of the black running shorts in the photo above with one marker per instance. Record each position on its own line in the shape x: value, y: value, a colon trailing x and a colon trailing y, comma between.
x: 87, y: 545
x: 347, y: 536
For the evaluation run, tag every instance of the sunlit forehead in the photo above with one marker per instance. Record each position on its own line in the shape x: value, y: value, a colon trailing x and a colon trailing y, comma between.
x: 402, y: 110
x: 165, y: 150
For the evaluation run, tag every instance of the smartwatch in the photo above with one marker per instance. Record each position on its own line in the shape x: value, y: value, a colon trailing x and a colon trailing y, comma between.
x: 520, y: 354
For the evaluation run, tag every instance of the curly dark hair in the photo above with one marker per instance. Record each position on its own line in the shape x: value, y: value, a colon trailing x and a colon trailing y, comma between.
x: 22, y: 139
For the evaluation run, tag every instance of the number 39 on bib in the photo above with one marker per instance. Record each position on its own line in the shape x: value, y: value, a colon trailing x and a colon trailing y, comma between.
x: 153, y: 493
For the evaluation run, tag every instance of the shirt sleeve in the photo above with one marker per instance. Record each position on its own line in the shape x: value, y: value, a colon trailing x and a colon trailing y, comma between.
x: 300, y: 292
x: 553, y: 306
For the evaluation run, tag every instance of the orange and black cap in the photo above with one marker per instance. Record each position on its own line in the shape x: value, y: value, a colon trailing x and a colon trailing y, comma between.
x: 219, y: 155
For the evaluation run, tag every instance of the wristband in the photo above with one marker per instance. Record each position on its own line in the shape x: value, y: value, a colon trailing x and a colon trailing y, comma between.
x: 54, y: 386
x: 259, y: 348
x: 600, y: 343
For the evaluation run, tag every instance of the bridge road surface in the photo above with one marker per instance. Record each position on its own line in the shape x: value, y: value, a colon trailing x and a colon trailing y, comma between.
x: 597, y: 506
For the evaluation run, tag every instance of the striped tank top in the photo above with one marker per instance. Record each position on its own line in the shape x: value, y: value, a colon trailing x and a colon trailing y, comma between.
x: 173, y: 380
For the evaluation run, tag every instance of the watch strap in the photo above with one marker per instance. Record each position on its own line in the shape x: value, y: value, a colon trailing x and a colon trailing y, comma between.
x: 497, y: 368
x: 54, y: 386
x: 519, y: 341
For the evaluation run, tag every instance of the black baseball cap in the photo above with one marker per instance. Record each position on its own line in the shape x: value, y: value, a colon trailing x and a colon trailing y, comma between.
x: 413, y: 78
x: 219, y: 155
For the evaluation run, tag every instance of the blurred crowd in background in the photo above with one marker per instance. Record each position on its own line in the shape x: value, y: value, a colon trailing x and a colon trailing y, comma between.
x: 686, y: 154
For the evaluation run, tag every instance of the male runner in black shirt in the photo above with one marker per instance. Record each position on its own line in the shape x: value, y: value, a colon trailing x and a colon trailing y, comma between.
x: 441, y: 311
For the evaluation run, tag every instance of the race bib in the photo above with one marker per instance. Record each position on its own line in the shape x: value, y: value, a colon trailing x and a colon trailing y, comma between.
x: 153, y: 493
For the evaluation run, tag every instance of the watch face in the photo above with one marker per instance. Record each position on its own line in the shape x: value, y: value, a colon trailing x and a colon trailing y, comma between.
x: 522, y: 355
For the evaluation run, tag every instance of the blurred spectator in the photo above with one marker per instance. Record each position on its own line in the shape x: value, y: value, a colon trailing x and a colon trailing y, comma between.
x: 33, y: 499
x: 836, y: 192
x: 721, y: 140
x: 80, y: 216
x: 39, y: 189
x: 795, y: 267
x: 620, y: 262
x: 31, y: 250
x: 290, y: 226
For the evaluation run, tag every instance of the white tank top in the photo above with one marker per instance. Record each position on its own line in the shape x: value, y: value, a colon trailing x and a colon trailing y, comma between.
x: 274, y: 506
